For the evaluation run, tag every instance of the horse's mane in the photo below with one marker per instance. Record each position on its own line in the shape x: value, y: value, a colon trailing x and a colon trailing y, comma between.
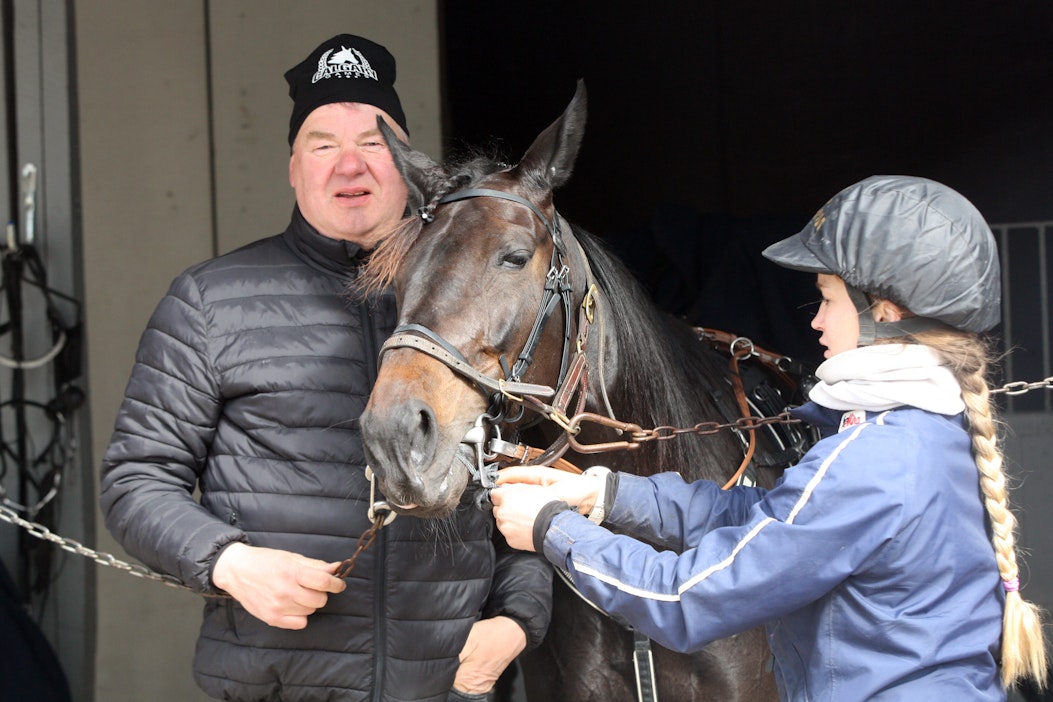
x: 666, y: 375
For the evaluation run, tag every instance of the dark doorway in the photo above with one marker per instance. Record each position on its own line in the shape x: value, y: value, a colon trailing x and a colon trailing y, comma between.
x: 716, y: 127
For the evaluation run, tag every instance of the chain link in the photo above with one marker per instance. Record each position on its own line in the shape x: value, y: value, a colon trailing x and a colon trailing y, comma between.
x: 1019, y: 387
x: 73, y: 546
x: 637, y: 435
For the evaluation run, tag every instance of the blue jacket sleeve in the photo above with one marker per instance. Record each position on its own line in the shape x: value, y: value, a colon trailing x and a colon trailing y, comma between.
x: 666, y: 511
x: 794, y: 545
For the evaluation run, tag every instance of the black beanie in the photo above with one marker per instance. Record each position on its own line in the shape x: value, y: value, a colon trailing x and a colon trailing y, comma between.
x: 344, y: 69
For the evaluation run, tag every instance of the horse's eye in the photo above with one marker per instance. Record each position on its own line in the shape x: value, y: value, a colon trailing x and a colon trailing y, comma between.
x: 515, y: 259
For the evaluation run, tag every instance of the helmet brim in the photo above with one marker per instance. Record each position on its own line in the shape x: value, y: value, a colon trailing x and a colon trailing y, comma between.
x: 793, y: 254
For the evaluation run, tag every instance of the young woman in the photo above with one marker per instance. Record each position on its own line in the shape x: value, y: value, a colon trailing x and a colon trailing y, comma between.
x: 882, y: 564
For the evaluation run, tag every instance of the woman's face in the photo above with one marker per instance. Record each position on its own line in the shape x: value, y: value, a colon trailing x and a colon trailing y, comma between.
x: 837, y: 317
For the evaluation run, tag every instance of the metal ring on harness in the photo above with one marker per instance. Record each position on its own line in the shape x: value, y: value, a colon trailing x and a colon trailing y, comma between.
x: 378, y: 507
x: 733, y: 347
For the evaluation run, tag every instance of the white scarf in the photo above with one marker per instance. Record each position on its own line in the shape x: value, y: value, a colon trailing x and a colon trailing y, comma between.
x: 878, y: 378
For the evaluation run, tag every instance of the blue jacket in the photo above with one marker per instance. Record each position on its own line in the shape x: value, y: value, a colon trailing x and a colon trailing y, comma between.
x: 869, y: 562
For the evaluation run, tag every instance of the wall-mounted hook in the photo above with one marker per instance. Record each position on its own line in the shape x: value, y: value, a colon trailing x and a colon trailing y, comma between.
x: 29, y: 201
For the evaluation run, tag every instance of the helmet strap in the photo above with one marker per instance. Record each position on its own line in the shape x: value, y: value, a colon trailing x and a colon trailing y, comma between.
x: 870, y: 330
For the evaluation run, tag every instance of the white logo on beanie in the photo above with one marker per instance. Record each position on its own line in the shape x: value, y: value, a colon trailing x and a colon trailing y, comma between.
x: 346, y: 63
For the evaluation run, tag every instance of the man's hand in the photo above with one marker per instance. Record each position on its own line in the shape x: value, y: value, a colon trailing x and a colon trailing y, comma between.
x: 277, y: 587
x: 492, y: 644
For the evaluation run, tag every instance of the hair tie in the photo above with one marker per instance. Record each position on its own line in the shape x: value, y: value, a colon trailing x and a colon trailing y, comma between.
x: 1012, y: 585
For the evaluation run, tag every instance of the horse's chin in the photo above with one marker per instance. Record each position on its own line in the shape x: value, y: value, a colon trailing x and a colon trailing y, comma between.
x: 436, y: 498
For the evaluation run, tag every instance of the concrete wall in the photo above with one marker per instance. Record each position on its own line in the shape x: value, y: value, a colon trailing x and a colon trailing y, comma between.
x: 183, y: 122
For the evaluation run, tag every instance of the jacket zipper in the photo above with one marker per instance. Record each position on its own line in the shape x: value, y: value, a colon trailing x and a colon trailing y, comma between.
x: 379, y: 630
x: 380, y: 544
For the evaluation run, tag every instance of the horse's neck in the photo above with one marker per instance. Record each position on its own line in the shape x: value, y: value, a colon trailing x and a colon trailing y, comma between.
x: 677, y: 385
x: 648, y: 369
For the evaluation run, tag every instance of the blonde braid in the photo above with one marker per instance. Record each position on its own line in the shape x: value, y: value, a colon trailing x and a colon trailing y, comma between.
x: 1023, y: 646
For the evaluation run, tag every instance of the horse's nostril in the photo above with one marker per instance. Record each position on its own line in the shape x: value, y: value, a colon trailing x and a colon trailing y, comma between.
x: 422, y: 438
x: 426, y: 421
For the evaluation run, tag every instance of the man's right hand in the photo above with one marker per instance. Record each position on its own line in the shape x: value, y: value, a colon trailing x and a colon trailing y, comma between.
x: 277, y: 587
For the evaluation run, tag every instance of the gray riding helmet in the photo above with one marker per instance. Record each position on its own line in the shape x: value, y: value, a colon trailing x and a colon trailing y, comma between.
x: 910, y: 240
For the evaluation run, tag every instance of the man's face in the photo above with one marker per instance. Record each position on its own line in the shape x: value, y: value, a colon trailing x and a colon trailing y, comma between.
x: 347, y: 186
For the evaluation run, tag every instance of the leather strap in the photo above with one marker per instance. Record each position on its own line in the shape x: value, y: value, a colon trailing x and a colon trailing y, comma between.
x: 644, y: 663
x: 551, y: 225
x: 422, y: 339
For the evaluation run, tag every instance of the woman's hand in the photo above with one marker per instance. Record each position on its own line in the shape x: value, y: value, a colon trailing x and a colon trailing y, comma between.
x: 522, y: 492
x: 534, y: 475
x: 516, y: 507
x: 577, y: 490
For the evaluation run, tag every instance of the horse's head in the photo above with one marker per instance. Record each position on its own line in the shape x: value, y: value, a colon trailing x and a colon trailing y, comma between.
x: 469, y: 275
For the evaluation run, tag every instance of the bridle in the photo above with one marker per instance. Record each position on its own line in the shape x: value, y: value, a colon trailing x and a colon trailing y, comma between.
x: 503, y: 392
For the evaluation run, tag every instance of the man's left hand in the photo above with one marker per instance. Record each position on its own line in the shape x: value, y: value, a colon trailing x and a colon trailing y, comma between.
x: 492, y: 644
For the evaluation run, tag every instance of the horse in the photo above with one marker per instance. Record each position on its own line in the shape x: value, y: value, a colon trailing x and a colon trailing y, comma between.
x: 479, y: 372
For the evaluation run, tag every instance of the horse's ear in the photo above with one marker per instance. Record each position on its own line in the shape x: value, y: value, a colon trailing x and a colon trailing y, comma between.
x: 420, y: 172
x: 550, y: 159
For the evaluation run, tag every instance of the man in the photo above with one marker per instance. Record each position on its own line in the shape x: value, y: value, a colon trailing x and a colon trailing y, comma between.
x: 248, y: 384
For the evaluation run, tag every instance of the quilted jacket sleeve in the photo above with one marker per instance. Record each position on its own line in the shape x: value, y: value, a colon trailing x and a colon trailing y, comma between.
x: 521, y: 590
x: 160, y: 443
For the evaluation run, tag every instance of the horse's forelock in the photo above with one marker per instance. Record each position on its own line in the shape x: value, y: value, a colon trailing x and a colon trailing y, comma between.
x: 388, y: 258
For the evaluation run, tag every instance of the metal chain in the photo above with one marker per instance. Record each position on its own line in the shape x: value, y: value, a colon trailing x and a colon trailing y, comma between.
x: 364, y: 541
x: 380, y: 513
x: 639, y: 435
x: 747, y: 423
x: 42, y: 532
x: 1019, y: 387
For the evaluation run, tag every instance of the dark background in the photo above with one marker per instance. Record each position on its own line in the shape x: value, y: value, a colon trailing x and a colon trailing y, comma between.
x: 718, y: 127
